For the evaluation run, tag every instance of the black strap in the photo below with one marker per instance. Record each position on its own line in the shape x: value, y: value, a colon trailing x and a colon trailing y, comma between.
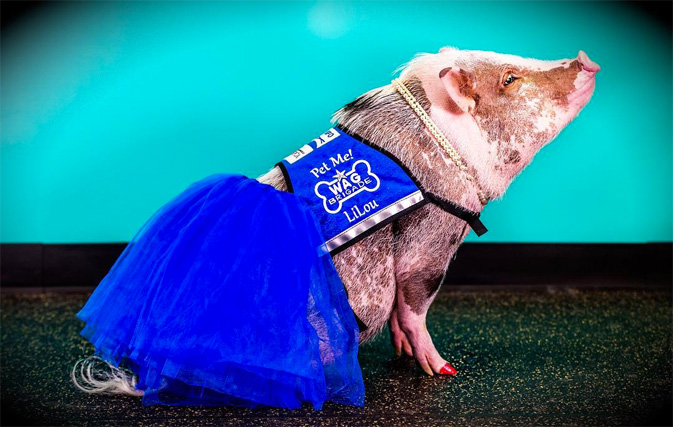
x: 470, y: 217
x: 288, y: 181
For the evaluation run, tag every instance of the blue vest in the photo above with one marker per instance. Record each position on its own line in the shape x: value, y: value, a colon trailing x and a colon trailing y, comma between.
x: 355, y: 188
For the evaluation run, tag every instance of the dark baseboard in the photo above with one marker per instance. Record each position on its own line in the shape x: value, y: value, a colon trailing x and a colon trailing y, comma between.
x: 528, y: 265
x: 575, y: 264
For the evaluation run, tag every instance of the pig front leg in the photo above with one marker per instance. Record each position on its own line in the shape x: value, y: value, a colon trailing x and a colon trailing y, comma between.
x: 426, y: 240
x: 398, y: 337
x: 409, y: 331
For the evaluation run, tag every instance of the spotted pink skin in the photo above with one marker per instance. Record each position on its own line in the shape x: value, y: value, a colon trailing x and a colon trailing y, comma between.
x: 497, y: 130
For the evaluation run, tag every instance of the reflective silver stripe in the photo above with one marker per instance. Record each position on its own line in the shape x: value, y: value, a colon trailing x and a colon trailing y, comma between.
x: 370, y: 222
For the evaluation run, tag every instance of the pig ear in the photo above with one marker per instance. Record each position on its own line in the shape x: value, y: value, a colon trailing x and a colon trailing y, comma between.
x: 459, y: 86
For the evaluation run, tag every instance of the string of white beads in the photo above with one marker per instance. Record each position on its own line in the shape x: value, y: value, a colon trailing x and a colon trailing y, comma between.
x: 437, y: 134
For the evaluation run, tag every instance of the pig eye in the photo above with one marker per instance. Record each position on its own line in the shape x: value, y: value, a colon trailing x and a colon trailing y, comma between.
x: 509, y: 79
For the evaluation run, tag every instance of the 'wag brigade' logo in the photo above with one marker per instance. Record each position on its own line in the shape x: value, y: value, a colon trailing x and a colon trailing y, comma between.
x: 346, y: 185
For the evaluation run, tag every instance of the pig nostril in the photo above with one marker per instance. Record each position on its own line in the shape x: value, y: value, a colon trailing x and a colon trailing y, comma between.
x: 586, y: 63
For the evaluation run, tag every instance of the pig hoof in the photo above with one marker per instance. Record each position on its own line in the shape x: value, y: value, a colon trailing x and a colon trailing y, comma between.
x: 447, y: 370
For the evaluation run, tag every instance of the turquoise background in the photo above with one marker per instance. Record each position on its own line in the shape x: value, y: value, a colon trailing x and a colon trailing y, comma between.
x: 111, y: 109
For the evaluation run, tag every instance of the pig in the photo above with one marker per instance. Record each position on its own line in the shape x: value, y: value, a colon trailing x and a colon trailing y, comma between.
x: 497, y: 111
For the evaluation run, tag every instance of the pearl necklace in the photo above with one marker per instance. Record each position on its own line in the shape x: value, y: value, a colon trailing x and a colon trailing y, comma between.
x: 438, y: 135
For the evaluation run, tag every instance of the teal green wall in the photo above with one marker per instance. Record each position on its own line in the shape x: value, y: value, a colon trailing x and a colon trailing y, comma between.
x: 111, y: 109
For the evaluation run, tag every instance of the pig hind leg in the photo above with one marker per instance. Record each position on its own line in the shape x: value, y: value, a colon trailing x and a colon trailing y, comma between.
x: 368, y: 273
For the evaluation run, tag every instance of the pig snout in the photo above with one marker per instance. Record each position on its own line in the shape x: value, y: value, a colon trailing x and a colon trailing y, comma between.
x: 586, y: 63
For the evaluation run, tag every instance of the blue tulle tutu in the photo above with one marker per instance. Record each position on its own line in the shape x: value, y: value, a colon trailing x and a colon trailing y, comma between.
x: 226, y: 296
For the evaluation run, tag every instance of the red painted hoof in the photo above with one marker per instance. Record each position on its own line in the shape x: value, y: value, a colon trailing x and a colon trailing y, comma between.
x: 447, y: 370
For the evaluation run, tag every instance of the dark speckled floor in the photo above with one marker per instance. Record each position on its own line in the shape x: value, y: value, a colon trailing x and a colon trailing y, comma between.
x: 526, y: 358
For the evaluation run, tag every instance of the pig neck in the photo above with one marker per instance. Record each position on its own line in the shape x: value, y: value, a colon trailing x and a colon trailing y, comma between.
x: 384, y: 118
x: 473, y: 144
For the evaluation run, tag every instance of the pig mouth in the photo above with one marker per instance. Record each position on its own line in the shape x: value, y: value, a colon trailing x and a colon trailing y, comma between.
x: 582, y: 93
